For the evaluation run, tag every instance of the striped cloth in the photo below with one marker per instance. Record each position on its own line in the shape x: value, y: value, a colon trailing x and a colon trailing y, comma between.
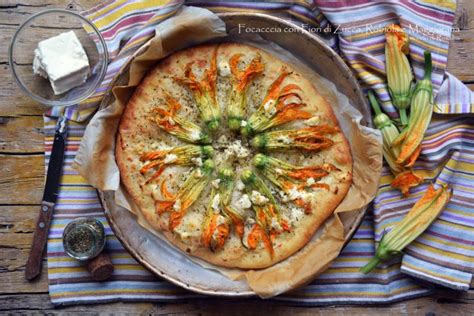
x: 443, y: 254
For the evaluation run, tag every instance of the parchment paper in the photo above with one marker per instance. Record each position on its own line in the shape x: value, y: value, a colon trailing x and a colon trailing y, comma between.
x: 95, y: 160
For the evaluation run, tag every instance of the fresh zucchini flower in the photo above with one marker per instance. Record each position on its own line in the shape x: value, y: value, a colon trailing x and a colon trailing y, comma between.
x: 184, y: 155
x: 280, y: 106
x: 204, y: 92
x: 422, y: 214
x: 240, y: 81
x: 404, y: 178
x: 389, y: 133
x: 399, y: 75
x: 421, y: 111
x: 308, y: 139
x: 188, y: 194
x: 178, y: 126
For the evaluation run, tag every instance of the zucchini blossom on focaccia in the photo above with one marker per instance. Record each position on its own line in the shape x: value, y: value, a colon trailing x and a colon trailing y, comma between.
x: 184, y: 155
x: 204, y: 92
x: 269, y: 222
x: 188, y: 193
x: 216, y: 226
x: 174, y: 124
x: 418, y: 219
x: 308, y: 139
x: 240, y: 81
x: 291, y: 179
x: 220, y: 216
x: 226, y: 186
x: 397, y: 67
x: 280, y: 106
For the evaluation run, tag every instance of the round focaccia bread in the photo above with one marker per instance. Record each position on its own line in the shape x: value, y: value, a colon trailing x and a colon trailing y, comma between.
x: 232, y: 154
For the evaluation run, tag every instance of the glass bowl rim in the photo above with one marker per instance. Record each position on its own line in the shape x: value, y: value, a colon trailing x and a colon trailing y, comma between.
x: 36, y: 97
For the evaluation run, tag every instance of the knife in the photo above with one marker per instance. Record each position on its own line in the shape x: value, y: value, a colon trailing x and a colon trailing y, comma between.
x: 34, y: 263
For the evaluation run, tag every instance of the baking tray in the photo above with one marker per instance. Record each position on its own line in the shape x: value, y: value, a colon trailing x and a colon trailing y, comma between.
x: 167, y: 261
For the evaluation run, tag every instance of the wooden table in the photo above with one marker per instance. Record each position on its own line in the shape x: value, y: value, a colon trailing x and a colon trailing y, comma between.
x: 21, y: 186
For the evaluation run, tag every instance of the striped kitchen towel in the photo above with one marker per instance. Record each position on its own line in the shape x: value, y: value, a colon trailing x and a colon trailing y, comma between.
x: 443, y: 255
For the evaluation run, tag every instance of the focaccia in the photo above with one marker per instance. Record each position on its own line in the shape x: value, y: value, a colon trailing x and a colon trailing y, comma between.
x: 232, y: 154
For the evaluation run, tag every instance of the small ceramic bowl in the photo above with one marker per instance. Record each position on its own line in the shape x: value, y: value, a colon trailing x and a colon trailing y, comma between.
x: 47, y: 24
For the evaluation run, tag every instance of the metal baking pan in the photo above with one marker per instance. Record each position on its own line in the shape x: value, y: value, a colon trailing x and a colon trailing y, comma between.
x: 170, y: 263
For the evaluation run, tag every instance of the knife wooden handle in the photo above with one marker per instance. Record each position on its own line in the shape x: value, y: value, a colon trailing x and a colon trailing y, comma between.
x: 33, y: 265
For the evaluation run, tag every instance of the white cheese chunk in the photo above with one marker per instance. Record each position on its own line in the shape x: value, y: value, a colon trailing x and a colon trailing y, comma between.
x: 310, y: 182
x: 63, y: 61
x: 294, y: 194
x: 243, y: 123
x: 195, y: 135
x: 283, y: 197
x: 190, y: 229
x: 177, y: 205
x: 239, y: 185
x: 248, y: 226
x: 169, y: 158
x: 276, y: 225
x: 258, y: 198
x: 239, y: 150
x: 243, y: 203
x: 220, y: 220
x: 284, y: 139
x: 269, y: 108
x: 222, y: 139
x: 295, y: 214
x: 198, y: 173
x: 215, y: 183
x: 197, y: 161
x: 215, y: 203
x: 315, y: 120
x: 224, y: 68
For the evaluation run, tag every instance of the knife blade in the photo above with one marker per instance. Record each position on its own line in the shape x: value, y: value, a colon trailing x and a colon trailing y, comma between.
x: 50, y: 194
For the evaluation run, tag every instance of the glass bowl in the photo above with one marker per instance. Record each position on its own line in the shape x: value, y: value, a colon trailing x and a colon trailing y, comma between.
x: 84, y: 238
x: 47, y: 24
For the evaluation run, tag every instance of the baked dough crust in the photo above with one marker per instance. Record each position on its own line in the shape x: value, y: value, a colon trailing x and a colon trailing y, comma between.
x: 138, y: 133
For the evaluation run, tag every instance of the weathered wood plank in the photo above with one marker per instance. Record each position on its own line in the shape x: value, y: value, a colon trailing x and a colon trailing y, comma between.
x: 16, y: 233
x: 422, y: 306
x: 461, y: 57
x: 22, y: 179
x: 22, y: 134
x: 13, y: 101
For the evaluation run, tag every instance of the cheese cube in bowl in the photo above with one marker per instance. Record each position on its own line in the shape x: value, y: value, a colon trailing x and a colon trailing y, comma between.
x: 58, y: 57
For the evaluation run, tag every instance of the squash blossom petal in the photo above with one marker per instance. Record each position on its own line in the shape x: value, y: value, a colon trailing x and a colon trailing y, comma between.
x: 399, y: 74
